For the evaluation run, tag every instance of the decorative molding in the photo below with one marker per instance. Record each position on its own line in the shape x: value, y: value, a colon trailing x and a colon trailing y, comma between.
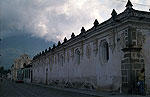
x: 95, y: 47
x: 72, y: 53
x: 112, y: 41
x: 122, y: 40
x: 82, y: 49
x: 88, y: 51
x: 64, y: 54
x: 55, y: 59
x: 50, y: 63
x: 58, y: 57
x: 61, y: 62
x: 68, y: 56
x: 140, y: 14
x: 52, y: 57
x: 140, y: 39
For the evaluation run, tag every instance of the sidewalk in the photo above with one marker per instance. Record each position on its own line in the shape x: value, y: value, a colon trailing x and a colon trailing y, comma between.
x: 90, y: 92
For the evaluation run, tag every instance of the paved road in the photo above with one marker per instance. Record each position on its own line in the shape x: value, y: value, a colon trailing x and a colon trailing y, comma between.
x: 12, y: 89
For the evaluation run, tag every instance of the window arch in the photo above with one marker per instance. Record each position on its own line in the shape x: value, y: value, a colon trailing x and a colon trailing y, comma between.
x: 77, y: 56
x: 104, y: 51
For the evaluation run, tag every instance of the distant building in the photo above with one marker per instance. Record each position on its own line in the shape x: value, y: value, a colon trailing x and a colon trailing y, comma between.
x: 12, y: 72
x: 106, y: 57
x: 19, y: 64
x: 27, y: 73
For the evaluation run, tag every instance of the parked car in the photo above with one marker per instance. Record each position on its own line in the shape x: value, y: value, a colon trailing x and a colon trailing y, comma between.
x: 19, y: 76
x: 19, y: 80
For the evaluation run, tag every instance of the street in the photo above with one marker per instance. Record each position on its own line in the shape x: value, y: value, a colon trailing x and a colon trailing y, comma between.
x: 12, y: 89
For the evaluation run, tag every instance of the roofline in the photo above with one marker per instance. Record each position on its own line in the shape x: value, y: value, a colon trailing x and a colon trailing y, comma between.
x: 126, y: 14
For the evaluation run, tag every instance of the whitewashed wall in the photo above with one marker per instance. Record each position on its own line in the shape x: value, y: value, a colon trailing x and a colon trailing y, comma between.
x: 63, y: 66
x: 146, y: 53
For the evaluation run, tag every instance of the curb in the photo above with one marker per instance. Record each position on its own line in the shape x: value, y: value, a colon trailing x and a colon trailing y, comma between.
x: 88, y: 92
x: 81, y: 91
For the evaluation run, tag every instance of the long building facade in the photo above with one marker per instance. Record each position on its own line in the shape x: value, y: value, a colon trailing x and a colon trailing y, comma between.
x: 106, y: 57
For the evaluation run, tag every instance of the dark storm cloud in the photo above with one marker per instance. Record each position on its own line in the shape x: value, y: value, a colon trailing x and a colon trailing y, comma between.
x: 23, y: 16
x: 53, y: 19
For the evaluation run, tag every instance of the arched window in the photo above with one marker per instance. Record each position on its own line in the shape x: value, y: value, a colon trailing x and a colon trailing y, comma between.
x: 77, y: 56
x: 104, y: 51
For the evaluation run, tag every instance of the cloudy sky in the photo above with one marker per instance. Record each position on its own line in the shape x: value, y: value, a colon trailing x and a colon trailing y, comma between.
x: 53, y: 20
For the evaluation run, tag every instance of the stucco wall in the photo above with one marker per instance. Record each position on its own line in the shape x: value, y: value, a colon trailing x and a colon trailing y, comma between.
x: 92, y: 67
x: 146, y: 53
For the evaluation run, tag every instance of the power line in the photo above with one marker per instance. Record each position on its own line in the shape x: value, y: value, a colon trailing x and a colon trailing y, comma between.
x: 135, y: 3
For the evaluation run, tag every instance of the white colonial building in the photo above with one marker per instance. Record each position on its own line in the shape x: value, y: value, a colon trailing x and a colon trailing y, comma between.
x: 27, y: 73
x: 19, y: 64
x: 105, y: 57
